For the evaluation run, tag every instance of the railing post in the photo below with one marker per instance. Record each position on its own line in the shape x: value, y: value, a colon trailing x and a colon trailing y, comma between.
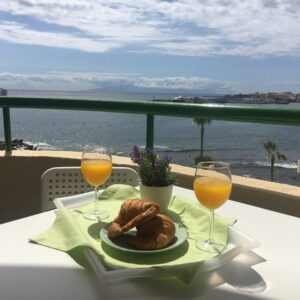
x: 150, y: 131
x: 7, y: 130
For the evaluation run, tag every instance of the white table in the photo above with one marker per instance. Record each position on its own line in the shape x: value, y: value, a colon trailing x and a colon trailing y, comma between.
x: 29, y: 271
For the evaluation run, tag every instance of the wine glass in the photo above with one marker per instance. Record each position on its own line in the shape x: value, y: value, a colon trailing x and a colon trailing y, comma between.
x: 96, y: 168
x: 212, y: 186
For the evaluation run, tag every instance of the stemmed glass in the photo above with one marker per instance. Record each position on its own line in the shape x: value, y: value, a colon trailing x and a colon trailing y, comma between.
x: 96, y: 168
x: 212, y: 186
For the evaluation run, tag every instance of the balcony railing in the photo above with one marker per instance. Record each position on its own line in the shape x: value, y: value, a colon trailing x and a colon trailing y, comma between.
x: 238, y: 113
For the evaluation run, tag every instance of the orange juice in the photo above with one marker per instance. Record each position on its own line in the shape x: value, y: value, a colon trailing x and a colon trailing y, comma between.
x: 212, y: 192
x: 96, y: 171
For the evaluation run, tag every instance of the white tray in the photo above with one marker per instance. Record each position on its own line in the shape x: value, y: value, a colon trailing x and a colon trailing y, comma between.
x: 238, y: 243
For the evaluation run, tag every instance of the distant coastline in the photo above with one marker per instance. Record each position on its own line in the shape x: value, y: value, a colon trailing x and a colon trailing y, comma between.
x: 251, y: 98
x: 256, y: 98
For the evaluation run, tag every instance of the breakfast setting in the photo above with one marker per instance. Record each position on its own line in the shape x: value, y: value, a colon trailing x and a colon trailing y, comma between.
x: 149, y: 150
x: 128, y: 232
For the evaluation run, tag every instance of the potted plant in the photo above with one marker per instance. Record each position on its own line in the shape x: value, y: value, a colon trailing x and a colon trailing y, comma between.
x: 156, y: 177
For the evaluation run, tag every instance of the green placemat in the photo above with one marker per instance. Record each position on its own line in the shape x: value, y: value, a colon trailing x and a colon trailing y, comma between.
x: 71, y: 232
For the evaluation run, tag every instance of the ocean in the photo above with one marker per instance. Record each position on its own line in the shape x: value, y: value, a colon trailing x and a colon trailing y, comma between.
x: 240, y: 144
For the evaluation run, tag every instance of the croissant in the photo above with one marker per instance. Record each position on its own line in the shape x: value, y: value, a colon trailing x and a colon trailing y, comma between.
x: 156, y: 233
x: 133, y: 212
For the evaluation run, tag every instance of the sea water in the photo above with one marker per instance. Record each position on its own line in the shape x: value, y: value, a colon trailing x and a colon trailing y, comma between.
x: 240, y: 144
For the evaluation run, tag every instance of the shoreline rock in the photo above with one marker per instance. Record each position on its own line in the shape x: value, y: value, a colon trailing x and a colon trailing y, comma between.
x: 19, y: 144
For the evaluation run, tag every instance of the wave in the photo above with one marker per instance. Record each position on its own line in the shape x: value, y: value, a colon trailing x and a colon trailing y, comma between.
x: 44, y: 146
x: 263, y: 164
x: 207, y: 150
x: 174, y: 150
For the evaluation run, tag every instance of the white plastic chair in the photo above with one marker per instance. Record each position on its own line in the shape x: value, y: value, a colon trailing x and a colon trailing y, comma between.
x: 66, y: 181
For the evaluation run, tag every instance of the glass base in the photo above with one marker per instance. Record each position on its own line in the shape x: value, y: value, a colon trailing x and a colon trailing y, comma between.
x: 215, y: 247
x: 96, y: 215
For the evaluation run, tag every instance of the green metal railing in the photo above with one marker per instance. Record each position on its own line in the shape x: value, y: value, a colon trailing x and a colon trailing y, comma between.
x: 238, y: 113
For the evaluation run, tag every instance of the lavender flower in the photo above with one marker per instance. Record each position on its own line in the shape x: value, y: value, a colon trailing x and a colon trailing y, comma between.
x: 148, y: 152
x: 154, y: 171
x: 157, y: 163
x: 136, y: 154
x: 136, y: 151
x: 167, y: 158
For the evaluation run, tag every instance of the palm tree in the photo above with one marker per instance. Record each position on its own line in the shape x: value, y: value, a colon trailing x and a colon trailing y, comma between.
x: 201, y: 122
x: 271, y: 148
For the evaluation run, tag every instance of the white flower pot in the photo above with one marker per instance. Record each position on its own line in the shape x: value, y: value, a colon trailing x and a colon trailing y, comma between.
x: 161, y: 195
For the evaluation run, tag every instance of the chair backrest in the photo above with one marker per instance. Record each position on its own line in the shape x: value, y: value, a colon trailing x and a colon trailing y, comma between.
x: 66, y: 181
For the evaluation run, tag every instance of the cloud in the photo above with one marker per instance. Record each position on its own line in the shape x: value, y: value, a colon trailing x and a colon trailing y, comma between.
x: 79, y: 81
x: 182, y: 27
x: 16, y: 33
x: 76, y: 81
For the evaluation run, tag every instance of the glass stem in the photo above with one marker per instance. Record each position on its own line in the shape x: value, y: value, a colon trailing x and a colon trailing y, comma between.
x: 96, y: 202
x: 211, y: 226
